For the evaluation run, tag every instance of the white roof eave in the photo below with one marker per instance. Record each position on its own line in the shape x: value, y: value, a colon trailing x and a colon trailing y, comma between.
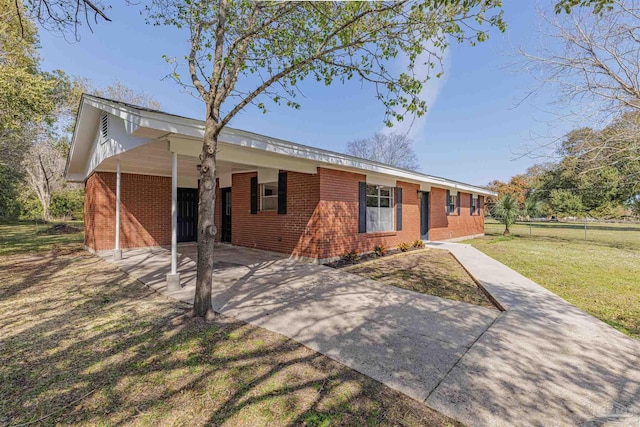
x: 195, y: 128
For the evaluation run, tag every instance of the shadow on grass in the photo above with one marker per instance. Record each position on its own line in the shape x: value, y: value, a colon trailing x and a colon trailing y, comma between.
x: 82, y: 343
x: 554, y: 362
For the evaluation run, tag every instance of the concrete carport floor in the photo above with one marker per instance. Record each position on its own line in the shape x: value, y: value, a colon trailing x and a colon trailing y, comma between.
x: 406, y: 340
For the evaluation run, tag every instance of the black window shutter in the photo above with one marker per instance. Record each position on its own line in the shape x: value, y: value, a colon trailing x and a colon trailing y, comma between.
x: 447, y: 202
x: 398, y: 209
x: 471, y: 208
x: 458, y: 203
x: 362, y: 207
x: 282, y: 193
x: 254, y: 194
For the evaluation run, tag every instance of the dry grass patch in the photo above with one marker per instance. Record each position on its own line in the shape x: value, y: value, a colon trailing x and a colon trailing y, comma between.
x: 430, y: 271
x: 84, y: 344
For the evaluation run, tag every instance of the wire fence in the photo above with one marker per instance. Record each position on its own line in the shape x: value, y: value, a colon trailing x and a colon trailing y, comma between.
x: 619, y: 234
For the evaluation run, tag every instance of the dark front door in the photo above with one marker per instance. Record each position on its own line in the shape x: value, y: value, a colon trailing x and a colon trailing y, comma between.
x: 226, y: 215
x: 424, y: 215
x: 187, y: 214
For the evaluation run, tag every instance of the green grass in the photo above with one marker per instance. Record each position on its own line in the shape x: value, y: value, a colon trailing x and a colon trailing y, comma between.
x: 601, y: 277
x: 621, y: 235
x: 29, y: 236
x: 84, y: 344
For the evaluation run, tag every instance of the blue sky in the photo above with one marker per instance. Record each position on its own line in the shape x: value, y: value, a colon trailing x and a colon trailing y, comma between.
x: 473, y: 131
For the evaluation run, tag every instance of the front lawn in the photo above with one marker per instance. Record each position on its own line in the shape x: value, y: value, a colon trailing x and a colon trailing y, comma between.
x: 84, y: 344
x: 600, y: 278
x: 625, y: 235
x: 29, y: 236
x: 429, y: 271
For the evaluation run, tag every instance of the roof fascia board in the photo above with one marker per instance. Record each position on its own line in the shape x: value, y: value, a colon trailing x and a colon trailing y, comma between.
x: 195, y: 128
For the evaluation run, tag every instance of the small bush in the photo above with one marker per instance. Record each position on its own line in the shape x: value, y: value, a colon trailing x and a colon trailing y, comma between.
x: 30, y: 206
x: 404, y: 247
x: 419, y: 244
x: 380, y: 250
x: 350, y: 256
x: 68, y: 203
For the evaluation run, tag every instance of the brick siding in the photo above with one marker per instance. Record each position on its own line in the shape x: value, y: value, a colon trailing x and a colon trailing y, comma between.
x: 443, y: 226
x: 321, y: 220
x: 339, y: 216
x: 145, y: 211
x: 291, y: 233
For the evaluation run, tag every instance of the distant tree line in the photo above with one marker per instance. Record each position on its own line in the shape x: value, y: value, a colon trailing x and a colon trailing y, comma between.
x: 598, y: 175
x: 37, y: 112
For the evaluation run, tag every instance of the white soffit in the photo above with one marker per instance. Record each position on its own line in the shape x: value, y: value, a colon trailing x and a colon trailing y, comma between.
x: 385, y: 180
x: 266, y: 175
x: 224, y: 180
x: 187, y: 181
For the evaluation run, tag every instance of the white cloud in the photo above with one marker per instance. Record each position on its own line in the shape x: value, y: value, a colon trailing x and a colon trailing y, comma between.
x: 413, y: 126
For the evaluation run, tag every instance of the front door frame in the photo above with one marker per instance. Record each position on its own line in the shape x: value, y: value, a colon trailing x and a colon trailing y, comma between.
x: 424, y: 215
x: 225, y: 214
x: 187, y: 223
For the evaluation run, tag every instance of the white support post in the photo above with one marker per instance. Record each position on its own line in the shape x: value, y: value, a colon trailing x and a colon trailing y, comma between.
x: 117, y: 253
x: 173, y: 278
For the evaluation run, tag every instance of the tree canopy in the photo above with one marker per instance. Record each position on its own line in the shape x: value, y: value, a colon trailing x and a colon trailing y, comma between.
x: 389, y: 148
x: 597, y: 174
x: 244, y: 53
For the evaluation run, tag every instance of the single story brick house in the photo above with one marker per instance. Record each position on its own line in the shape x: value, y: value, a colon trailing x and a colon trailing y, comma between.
x: 139, y: 169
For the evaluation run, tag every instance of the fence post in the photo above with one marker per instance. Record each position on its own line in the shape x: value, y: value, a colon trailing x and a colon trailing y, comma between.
x: 585, y: 229
x: 530, y: 232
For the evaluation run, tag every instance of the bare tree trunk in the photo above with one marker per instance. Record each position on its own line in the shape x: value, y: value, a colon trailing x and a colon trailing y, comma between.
x: 45, y: 211
x: 507, y: 232
x: 206, y: 228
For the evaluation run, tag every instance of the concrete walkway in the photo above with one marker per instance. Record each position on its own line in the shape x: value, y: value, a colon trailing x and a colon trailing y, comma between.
x: 406, y: 340
x: 543, y: 362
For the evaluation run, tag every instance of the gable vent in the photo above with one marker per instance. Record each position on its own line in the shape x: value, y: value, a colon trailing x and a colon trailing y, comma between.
x: 104, y: 127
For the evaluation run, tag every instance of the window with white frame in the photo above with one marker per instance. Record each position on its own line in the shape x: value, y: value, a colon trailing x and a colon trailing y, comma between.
x: 452, y: 203
x: 269, y: 196
x: 379, y: 208
x: 474, y: 205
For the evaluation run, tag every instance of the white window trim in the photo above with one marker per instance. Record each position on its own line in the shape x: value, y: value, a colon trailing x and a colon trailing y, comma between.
x: 392, y: 191
x: 455, y: 204
x: 262, y: 196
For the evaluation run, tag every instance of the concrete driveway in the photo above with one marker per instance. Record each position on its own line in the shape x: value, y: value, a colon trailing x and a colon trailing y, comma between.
x: 406, y: 340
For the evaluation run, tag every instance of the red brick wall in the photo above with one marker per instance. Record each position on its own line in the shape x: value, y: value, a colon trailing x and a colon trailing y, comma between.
x: 290, y: 233
x: 321, y: 220
x: 443, y: 226
x: 338, y: 212
x: 145, y: 211
x: 322, y: 217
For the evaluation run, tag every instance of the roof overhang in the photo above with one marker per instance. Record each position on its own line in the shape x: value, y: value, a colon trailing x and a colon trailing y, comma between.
x: 185, y: 137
